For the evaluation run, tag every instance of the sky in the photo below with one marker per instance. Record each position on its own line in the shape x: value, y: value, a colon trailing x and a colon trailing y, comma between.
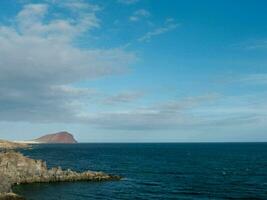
x: 134, y: 70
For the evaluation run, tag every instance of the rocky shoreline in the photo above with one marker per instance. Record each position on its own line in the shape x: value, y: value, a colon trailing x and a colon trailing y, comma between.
x: 15, y: 168
x: 4, y: 144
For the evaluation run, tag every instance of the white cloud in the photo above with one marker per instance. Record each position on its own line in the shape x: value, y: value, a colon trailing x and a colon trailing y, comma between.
x: 38, y: 65
x: 80, y: 5
x: 32, y: 13
x: 30, y: 21
x: 139, y: 14
x: 168, y: 26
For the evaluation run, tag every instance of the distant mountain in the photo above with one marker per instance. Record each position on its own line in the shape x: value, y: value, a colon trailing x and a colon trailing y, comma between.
x: 56, y: 138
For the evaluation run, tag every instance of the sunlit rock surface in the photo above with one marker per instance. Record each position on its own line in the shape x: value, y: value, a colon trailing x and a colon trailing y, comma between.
x: 11, y: 145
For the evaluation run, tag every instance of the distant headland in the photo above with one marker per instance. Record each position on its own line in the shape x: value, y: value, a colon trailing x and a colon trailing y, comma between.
x: 62, y: 137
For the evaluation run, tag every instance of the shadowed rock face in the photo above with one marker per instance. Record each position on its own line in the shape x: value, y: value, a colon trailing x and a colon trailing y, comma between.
x: 18, y: 169
x: 61, y: 137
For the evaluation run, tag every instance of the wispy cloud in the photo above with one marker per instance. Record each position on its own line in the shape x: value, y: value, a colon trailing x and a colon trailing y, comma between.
x: 124, y: 97
x: 139, y: 14
x: 80, y: 5
x: 246, y: 79
x: 197, y: 112
x: 255, y: 44
x: 128, y: 2
x: 168, y: 26
x: 253, y: 78
x: 235, y: 110
x: 165, y: 115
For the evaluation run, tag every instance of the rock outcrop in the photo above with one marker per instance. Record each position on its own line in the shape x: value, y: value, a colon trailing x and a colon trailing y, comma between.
x: 18, y: 169
x: 57, y: 138
x: 11, y: 145
x: 11, y: 196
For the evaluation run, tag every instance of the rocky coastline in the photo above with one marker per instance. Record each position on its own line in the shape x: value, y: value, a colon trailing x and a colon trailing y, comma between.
x: 16, y: 168
x: 4, y: 144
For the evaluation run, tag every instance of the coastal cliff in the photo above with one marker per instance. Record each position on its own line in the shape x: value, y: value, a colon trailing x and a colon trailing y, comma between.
x: 18, y: 169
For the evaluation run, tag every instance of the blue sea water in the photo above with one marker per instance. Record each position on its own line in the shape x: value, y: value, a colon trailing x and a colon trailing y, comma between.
x: 156, y: 171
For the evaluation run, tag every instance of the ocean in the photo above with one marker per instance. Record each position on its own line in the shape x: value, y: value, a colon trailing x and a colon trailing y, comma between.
x: 156, y: 171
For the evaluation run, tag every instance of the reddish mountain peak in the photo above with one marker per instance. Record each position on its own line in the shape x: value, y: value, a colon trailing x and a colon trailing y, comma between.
x: 60, y: 137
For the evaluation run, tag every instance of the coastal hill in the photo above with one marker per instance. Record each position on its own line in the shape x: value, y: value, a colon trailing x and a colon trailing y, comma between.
x: 57, y: 138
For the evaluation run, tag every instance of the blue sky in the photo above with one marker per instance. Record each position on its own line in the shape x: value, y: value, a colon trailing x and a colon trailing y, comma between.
x: 134, y: 70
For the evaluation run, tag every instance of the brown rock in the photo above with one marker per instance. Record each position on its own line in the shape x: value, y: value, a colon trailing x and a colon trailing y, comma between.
x: 60, y: 137
x: 18, y: 169
x: 10, y: 196
x: 11, y: 145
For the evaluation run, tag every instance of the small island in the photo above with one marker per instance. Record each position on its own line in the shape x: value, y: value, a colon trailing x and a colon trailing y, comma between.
x: 15, y: 168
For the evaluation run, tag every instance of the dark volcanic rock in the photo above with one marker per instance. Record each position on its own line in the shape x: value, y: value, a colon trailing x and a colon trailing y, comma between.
x: 60, y: 137
x: 18, y: 169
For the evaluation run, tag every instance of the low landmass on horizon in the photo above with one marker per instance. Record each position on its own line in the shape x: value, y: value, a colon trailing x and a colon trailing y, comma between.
x: 62, y: 137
